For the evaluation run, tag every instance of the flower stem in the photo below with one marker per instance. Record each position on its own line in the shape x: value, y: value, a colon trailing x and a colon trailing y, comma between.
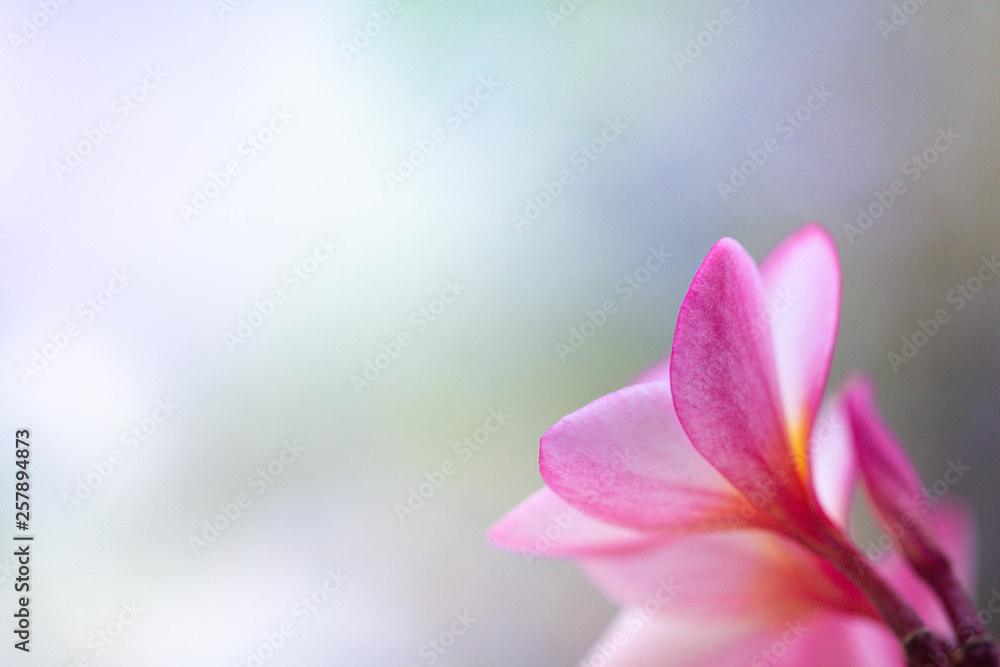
x: 975, y: 643
x: 922, y: 648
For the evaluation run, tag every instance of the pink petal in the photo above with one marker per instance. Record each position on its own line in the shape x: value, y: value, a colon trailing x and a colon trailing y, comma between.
x: 750, y: 574
x: 658, y: 372
x: 936, y: 544
x: 801, y: 279
x: 815, y: 640
x: 890, y: 479
x: 624, y: 459
x: 831, y: 640
x: 725, y: 386
x: 916, y: 593
x: 546, y: 525
x: 954, y: 525
x: 833, y: 463
x: 636, y: 640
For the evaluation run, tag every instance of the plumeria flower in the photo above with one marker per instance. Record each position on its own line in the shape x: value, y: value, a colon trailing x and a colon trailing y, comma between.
x: 714, y: 485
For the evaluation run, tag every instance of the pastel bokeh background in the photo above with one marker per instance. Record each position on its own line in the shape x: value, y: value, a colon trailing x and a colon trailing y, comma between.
x: 246, y: 298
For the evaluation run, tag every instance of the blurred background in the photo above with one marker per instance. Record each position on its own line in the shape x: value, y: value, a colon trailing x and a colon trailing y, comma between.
x: 270, y: 268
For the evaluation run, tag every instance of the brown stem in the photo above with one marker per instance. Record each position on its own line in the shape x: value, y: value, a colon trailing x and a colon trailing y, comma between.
x: 979, y: 653
x: 975, y: 643
x: 921, y: 647
x: 896, y: 612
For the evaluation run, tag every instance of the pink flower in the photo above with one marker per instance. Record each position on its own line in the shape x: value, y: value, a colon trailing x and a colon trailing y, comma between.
x: 715, y: 488
x: 906, y: 514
